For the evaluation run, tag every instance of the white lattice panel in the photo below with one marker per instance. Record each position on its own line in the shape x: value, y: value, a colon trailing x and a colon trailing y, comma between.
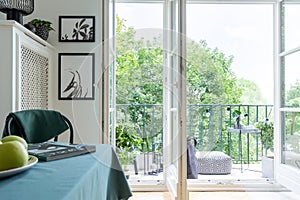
x: 34, y: 80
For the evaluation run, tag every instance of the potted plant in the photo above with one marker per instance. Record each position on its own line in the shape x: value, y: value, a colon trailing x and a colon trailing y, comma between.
x: 127, y: 142
x: 40, y: 27
x: 237, y: 115
x: 144, y: 158
x: 267, y: 134
x: 126, y: 158
x: 267, y: 139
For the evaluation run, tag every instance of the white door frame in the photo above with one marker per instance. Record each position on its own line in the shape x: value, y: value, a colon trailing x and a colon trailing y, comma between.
x: 284, y: 174
x: 281, y: 171
x: 175, y: 99
x: 103, y: 83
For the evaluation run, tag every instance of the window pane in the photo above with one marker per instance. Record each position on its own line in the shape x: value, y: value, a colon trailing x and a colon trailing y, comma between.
x: 291, y: 139
x: 291, y: 80
x: 243, y: 44
x: 139, y: 64
x: 291, y: 30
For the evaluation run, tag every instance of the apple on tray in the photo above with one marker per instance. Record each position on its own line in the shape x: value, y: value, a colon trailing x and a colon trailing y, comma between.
x: 13, y: 152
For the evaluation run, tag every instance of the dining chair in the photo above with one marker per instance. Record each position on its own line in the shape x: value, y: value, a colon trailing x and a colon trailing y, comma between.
x: 37, y: 125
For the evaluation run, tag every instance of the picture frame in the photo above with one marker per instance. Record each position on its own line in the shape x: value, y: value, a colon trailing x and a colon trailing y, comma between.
x: 76, y: 29
x: 76, y: 76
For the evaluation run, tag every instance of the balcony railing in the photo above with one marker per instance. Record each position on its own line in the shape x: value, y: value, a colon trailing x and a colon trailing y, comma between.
x: 207, y: 123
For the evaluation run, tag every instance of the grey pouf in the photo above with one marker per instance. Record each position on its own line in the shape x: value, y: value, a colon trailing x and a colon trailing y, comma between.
x: 213, y: 163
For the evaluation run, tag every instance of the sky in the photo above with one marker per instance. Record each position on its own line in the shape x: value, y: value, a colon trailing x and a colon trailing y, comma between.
x: 242, y: 31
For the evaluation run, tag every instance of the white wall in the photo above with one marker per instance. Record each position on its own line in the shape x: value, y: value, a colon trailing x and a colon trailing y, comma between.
x: 83, y: 113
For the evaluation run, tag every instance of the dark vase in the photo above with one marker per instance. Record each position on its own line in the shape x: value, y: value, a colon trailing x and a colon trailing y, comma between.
x: 30, y: 27
x: 238, y: 124
x: 42, y: 31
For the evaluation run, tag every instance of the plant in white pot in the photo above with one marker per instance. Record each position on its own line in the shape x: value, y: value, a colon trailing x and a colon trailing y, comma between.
x: 267, y: 135
x: 267, y: 139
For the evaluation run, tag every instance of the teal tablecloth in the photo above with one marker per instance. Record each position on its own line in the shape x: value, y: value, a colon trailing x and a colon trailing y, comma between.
x: 96, y: 176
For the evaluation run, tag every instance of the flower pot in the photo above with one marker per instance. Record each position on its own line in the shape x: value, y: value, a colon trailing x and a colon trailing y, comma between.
x: 238, y: 124
x: 42, y: 31
x: 267, y: 166
x: 144, y: 160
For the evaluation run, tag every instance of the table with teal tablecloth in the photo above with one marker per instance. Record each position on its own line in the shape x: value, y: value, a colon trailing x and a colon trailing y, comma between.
x: 95, y: 176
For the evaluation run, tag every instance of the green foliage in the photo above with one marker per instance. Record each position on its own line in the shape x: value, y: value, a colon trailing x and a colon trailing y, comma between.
x: 267, y: 136
x: 251, y: 93
x: 126, y: 156
x: 236, y: 113
x: 139, y: 80
x: 293, y: 92
x: 293, y: 100
x: 148, y: 126
x: 139, y: 68
x: 210, y: 79
x: 126, y: 142
x: 40, y: 23
x: 126, y: 137
x: 139, y: 74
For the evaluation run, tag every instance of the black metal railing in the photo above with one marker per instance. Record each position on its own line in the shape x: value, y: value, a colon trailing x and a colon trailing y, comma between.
x: 207, y: 123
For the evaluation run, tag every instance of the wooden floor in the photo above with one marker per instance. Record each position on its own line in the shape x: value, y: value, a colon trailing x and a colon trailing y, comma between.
x: 150, y: 196
x: 243, y: 196
x: 219, y: 196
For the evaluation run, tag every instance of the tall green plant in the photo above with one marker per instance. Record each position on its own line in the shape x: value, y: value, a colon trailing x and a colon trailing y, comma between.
x: 126, y: 156
x: 267, y: 133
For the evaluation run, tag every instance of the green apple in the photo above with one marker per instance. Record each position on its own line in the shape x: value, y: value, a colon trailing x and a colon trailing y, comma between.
x: 12, y: 155
x: 14, y: 138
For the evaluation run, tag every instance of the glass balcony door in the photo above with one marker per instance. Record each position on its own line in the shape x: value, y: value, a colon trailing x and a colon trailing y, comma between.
x: 287, y: 160
x: 175, y: 99
x: 168, y: 33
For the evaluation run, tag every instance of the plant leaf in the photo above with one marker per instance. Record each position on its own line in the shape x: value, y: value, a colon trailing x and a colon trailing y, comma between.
x: 84, y: 26
x: 82, y: 34
x: 74, y: 35
x: 82, y: 21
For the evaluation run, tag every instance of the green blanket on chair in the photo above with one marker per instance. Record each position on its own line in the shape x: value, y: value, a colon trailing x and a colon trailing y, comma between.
x: 35, y: 125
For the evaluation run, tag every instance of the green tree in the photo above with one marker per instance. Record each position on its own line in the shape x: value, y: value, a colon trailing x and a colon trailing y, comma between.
x: 139, y: 68
x: 210, y: 78
x: 139, y: 79
x: 293, y: 92
x: 293, y: 100
x: 251, y: 93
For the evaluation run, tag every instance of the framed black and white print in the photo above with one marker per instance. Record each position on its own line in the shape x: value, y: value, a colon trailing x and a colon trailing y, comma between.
x: 76, y: 76
x: 76, y: 28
